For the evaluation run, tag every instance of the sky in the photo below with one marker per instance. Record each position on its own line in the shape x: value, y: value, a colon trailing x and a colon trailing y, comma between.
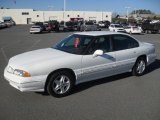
x: 116, y: 6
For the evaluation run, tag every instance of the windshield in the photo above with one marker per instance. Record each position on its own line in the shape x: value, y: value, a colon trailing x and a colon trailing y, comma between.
x: 75, y: 44
x: 118, y: 26
x: 89, y: 23
x: 69, y: 23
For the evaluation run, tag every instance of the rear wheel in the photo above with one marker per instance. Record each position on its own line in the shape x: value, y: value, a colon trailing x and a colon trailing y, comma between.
x: 139, y: 67
x: 60, y: 84
x: 146, y: 31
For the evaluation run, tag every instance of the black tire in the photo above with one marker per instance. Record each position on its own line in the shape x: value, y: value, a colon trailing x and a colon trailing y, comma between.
x: 141, y: 70
x: 130, y: 32
x: 146, y: 31
x: 51, y: 88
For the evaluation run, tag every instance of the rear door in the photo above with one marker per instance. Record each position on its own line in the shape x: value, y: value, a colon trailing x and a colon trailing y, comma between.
x: 126, y: 51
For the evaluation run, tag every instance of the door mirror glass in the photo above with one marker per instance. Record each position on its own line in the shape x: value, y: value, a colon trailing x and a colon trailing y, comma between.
x: 98, y: 53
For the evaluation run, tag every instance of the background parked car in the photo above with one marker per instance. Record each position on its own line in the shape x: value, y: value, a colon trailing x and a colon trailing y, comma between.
x: 66, y: 26
x: 101, y: 24
x: 107, y: 24
x: 133, y: 29
x: 2, y: 25
x: 53, y: 24
x: 116, y: 28
x: 89, y: 26
x: 44, y: 27
x: 8, y: 23
x: 149, y: 27
x: 36, y: 29
x: 77, y: 25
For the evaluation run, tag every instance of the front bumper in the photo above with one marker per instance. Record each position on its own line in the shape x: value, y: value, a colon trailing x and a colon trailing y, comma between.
x: 136, y: 32
x: 23, y: 84
x: 35, y: 31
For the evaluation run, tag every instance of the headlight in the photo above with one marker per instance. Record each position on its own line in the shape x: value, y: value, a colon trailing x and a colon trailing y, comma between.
x: 21, y: 73
x: 18, y: 72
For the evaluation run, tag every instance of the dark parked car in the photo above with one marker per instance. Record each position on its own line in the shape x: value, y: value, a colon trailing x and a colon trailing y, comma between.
x: 53, y: 24
x: 148, y: 27
x: 44, y: 27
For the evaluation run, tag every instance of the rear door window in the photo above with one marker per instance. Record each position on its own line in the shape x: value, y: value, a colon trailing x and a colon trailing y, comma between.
x: 122, y: 42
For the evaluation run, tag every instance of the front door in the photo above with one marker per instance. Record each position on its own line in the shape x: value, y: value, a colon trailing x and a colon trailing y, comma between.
x: 99, y: 66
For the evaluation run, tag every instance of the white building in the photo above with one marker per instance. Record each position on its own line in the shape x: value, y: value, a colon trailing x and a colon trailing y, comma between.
x: 27, y: 16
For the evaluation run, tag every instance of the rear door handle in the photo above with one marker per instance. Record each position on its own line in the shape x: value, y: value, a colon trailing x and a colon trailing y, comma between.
x: 135, y: 52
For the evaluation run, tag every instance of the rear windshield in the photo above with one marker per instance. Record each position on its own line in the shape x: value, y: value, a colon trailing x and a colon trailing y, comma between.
x: 35, y: 27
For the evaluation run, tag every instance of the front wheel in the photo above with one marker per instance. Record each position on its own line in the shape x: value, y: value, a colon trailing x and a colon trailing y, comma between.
x: 60, y: 84
x: 139, y: 67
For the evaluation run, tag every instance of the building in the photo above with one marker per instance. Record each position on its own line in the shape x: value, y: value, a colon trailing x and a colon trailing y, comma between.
x: 142, y: 16
x: 27, y: 16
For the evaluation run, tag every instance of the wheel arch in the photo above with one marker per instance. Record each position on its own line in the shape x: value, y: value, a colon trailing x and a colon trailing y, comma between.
x: 58, y: 70
x: 144, y: 57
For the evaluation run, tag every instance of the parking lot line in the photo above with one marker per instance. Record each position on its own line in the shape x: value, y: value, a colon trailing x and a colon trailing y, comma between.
x: 33, y: 45
x: 4, y: 55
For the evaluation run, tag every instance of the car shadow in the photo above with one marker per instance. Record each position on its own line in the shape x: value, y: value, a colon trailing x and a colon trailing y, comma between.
x: 83, y: 86
x: 152, y: 67
x: 87, y: 85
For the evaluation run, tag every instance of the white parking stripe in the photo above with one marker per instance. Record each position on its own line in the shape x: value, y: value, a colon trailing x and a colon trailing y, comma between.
x: 4, y: 55
x: 33, y: 45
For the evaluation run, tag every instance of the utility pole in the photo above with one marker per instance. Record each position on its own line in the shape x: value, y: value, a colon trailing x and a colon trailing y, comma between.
x: 127, y: 12
x: 64, y: 9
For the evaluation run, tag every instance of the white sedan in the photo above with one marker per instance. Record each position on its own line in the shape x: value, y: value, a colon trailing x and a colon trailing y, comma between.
x: 116, y: 28
x: 133, y: 30
x: 78, y: 58
x: 35, y: 29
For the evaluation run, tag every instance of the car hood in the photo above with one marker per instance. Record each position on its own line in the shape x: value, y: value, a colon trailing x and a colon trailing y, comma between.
x: 32, y: 57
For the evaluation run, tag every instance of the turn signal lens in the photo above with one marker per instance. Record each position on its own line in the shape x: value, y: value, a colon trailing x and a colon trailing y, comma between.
x: 26, y: 74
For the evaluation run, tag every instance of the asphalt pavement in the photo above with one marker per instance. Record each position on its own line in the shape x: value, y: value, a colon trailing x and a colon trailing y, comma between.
x: 120, y: 97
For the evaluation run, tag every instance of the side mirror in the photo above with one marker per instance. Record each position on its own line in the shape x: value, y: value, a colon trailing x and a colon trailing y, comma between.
x: 97, y: 53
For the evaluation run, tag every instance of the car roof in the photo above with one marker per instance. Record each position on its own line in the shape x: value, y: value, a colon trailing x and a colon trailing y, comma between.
x: 99, y: 33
